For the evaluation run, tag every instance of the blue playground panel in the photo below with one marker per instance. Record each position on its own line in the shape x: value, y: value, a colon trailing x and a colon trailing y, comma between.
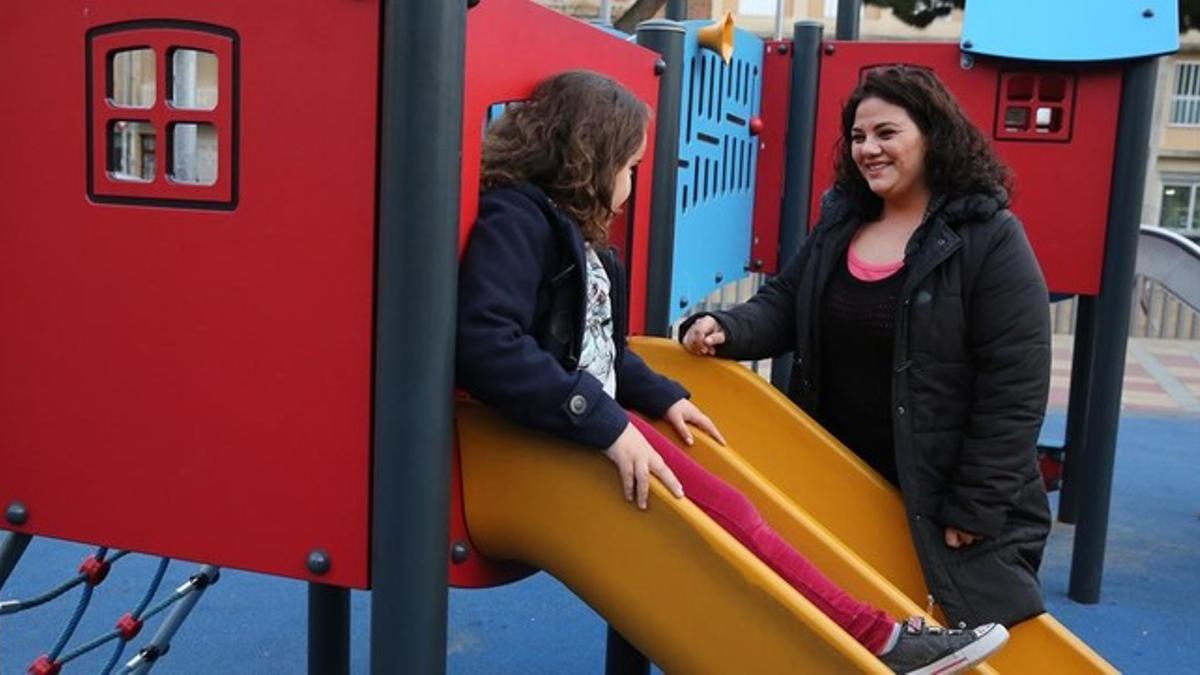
x: 1071, y: 30
x: 717, y: 156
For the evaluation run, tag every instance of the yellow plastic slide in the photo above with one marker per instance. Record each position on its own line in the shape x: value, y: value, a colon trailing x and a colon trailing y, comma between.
x: 680, y: 588
x: 811, y: 472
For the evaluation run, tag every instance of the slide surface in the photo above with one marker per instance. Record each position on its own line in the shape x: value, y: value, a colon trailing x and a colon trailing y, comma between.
x: 675, y: 584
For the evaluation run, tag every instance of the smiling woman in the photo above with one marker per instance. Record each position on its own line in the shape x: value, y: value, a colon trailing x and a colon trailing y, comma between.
x: 918, y: 320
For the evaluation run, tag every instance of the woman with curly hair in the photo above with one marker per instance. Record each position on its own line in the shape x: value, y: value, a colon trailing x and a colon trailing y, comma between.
x: 917, y: 316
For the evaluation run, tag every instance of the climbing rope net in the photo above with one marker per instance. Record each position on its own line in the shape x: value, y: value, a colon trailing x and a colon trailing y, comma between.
x: 92, y: 572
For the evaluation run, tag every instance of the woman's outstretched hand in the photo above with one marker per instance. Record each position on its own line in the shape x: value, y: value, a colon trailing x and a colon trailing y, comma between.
x: 956, y: 538
x: 635, y: 461
x: 703, y: 337
x: 684, y: 412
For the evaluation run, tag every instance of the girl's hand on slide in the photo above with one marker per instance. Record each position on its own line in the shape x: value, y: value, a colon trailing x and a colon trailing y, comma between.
x: 703, y: 336
x: 635, y: 461
x: 684, y: 412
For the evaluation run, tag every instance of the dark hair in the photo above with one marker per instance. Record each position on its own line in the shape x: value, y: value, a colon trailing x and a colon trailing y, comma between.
x: 569, y: 139
x: 958, y: 158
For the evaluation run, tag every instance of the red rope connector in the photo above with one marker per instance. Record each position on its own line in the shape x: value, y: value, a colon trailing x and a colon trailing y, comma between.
x: 94, y: 570
x: 44, y: 666
x: 129, y: 627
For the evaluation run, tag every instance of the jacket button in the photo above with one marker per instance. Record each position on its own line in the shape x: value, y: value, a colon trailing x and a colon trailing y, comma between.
x: 577, y: 404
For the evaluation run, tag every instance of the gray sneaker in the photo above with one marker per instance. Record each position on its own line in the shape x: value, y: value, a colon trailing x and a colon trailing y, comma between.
x: 930, y: 650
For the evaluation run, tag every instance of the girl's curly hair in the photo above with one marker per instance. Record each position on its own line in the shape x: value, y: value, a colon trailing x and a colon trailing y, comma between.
x: 958, y: 157
x: 569, y: 139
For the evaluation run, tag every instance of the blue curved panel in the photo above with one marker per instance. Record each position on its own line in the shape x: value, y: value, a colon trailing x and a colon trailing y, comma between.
x: 717, y: 156
x: 1071, y: 30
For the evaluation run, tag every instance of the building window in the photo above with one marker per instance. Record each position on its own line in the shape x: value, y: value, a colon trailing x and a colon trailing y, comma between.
x: 1185, y: 98
x: 1181, y: 204
x: 756, y: 7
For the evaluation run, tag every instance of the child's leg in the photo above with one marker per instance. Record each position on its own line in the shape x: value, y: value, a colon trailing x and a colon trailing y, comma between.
x: 734, y: 512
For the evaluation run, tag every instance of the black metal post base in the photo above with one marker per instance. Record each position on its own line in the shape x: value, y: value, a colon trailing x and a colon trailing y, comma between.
x: 328, y: 630
x: 622, y: 658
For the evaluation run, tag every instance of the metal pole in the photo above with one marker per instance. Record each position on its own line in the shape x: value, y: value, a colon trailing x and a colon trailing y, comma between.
x: 161, y: 642
x: 328, y: 630
x: 677, y: 10
x: 848, y: 12
x: 622, y: 658
x: 1112, y: 330
x: 1078, y: 403
x: 665, y: 37
x: 798, y: 156
x: 10, y: 553
x: 606, y: 12
x: 420, y: 148
x: 778, y: 19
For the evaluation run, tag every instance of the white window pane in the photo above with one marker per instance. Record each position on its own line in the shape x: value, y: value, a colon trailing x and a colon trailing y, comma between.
x: 194, y: 153
x: 132, y: 82
x: 193, y: 79
x: 131, y: 151
x: 757, y: 7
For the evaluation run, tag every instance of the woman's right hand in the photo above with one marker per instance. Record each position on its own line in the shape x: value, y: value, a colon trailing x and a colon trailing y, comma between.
x: 703, y: 336
x: 635, y: 461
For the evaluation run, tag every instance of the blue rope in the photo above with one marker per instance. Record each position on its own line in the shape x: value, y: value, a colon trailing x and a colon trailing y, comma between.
x: 15, y: 606
x: 80, y: 608
x: 137, y: 613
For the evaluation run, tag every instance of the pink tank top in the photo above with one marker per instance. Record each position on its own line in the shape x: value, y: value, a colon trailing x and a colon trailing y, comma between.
x: 865, y: 271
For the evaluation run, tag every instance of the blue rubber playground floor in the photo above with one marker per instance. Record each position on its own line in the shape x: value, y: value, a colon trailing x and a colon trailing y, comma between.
x: 249, y: 623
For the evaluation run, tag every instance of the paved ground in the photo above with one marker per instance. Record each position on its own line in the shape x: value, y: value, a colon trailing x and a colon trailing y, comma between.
x: 1161, y: 376
x: 250, y: 623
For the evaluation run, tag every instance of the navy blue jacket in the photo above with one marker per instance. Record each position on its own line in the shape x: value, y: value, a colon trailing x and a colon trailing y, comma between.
x: 521, y: 311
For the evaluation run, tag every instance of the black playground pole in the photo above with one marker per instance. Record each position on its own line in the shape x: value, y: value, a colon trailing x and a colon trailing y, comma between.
x: 798, y: 158
x: 10, y: 553
x: 420, y: 157
x: 1094, y: 472
x: 676, y: 10
x: 665, y: 37
x: 1079, y: 399
x: 328, y: 630
x: 847, y: 19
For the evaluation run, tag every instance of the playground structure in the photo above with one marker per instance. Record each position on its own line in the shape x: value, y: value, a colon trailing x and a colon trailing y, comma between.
x: 213, y: 343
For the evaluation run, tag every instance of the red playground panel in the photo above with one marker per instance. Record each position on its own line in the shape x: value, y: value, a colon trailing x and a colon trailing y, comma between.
x: 511, y: 46
x: 187, y: 224
x: 772, y: 161
x: 1052, y: 124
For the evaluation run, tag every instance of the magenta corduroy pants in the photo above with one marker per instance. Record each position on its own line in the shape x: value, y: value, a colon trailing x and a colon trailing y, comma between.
x: 737, y: 516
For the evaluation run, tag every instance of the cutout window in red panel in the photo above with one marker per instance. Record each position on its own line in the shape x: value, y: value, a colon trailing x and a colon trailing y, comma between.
x: 1035, y: 106
x: 181, y: 79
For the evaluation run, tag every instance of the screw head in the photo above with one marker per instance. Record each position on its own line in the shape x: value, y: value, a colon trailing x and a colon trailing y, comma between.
x: 16, y: 514
x: 782, y: 48
x: 830, y: 48
x: 967, y: 44
x: 318, y: 561
x: 459, y: 552
x: 660, y: 67
x: 1148, y: 13
x: 683, y: 301
x: 758, y: 263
